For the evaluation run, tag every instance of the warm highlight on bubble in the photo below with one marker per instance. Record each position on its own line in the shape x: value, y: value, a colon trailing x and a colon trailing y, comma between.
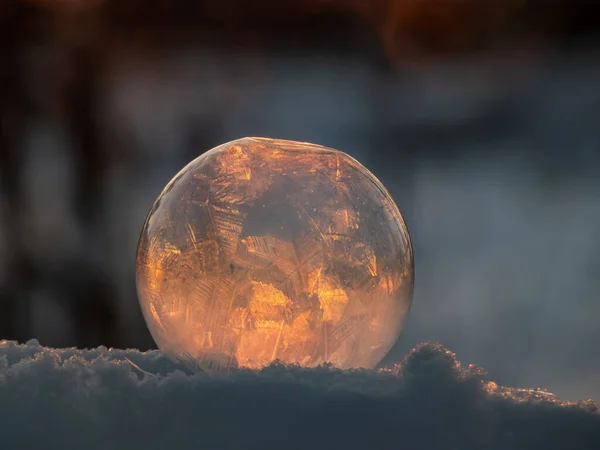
x: 265, y: 249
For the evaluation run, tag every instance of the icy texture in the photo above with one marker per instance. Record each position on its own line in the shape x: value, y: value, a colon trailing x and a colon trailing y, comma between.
x: 266, y: 249
x: 96, y: 399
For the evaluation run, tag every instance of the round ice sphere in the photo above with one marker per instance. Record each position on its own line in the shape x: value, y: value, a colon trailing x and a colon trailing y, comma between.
x: 263, y: 249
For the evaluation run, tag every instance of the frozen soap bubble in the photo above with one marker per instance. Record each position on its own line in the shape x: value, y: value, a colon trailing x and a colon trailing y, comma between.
x: 265, y: 249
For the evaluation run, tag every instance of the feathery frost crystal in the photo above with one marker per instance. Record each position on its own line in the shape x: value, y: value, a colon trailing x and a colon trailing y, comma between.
x: 264, y: 249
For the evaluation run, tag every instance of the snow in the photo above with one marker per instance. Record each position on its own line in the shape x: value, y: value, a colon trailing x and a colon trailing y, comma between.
x: 112, y: 399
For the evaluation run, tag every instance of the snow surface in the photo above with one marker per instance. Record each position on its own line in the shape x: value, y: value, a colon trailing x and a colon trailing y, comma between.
x: 112, y: 399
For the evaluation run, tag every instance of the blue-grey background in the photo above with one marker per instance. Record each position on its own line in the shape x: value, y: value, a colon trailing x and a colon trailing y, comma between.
x: 481, y: 118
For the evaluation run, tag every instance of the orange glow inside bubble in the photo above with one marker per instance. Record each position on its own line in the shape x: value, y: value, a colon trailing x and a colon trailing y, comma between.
x: 264, y: 249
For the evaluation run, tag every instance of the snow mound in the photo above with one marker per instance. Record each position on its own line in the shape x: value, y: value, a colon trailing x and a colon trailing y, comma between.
x: 126, y: 399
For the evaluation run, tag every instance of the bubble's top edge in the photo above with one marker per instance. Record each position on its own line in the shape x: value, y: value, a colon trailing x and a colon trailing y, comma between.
x: 287, y: 144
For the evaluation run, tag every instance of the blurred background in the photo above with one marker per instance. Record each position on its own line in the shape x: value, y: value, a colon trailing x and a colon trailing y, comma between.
x: 481, y: 117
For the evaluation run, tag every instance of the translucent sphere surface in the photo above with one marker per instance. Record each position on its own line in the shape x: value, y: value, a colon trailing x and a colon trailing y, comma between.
x: 264, y: 249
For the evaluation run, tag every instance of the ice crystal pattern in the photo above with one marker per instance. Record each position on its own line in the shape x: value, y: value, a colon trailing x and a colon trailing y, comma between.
x: 264, y: 249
